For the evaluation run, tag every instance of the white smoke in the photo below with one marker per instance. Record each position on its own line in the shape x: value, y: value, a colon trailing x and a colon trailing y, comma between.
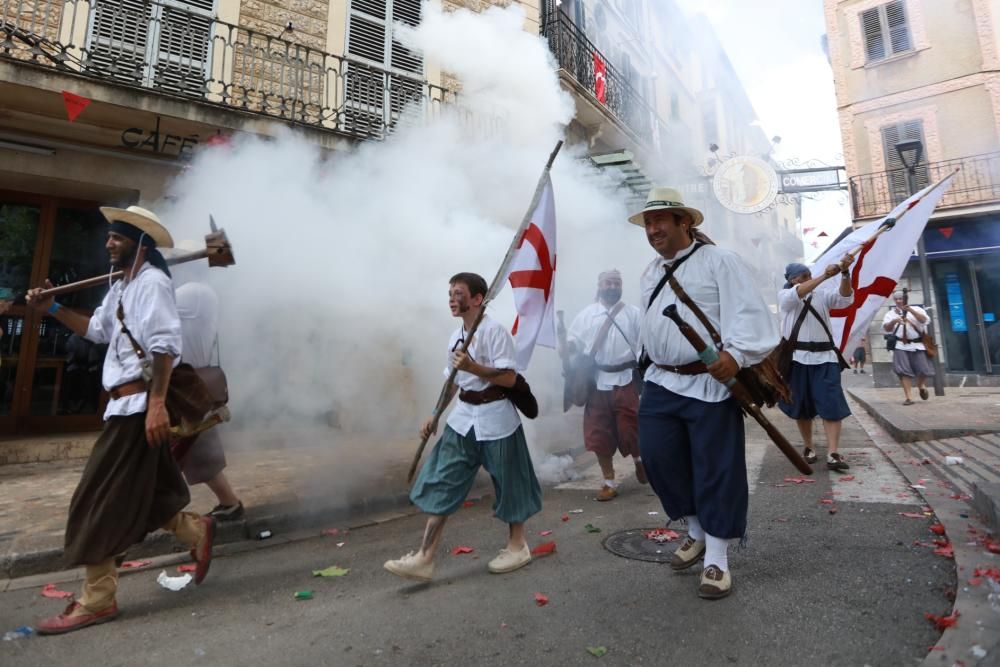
x: 336, y: 312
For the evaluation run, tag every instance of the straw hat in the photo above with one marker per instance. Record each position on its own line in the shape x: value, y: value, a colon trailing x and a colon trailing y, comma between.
x: 144, y: 219
x: 666, y: 199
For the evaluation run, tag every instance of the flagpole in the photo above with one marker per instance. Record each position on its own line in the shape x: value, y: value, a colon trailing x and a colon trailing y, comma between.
x: 498, y: 281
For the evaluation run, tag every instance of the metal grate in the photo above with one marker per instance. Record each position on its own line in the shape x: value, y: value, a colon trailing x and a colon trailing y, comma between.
x: 634, y: 544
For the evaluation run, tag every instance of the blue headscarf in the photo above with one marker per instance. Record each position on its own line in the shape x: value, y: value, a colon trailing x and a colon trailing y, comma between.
x: 792, y: 270
x: 132, y: 232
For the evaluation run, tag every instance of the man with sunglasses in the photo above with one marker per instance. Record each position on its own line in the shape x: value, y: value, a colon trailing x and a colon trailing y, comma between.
x: 484, y: 430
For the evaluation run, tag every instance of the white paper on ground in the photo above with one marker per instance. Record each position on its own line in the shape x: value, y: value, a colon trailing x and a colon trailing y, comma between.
x: 173, y: 583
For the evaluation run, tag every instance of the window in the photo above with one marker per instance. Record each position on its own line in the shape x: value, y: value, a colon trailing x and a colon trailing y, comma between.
x: 709, y: 123
x: 895, y: 171
x: 886, y: 31
x: 377, y: 94
x: 675, y: 107
x: 151, y: 44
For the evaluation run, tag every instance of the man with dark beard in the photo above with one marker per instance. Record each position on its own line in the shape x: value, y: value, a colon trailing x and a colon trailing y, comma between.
x: 691, y: 432
x: 607, y: 331
x: 130, y: 485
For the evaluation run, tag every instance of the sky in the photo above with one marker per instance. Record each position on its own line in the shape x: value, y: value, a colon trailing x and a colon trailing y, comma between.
x: 790, y: 83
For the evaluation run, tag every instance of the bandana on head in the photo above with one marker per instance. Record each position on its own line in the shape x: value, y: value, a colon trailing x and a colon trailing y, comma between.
x: 613, y: 273
x: 792, y: 270
x: 135, y: 234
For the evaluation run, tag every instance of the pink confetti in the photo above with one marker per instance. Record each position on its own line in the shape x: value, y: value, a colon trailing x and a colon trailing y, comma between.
x: 187, y: 567
x: 541, y: 600
x: 800, y: 480
x: 461, y: 550
x: 912, y: 515
x: 847, y: 478
x: 132, y: 564
x: 544, y: 533
x: 50, y: 591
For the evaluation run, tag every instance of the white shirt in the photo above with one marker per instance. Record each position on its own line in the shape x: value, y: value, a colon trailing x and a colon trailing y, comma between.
x: 620, y: 345
x: 151, y: 316
x: 913, y: 328
x: 823, y: 301
x: 719, y: 283
x: 198, y: 308
x: 492, y: 346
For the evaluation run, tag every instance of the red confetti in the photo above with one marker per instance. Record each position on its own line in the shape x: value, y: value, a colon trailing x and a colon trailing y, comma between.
x: 946, y: 550
x: 455, y: 551
x: 661, y: 535
x: 991, y: 572
x: 911, y: 515
x: 565, y: 517
x: 826, y: 501
x: 937, y: 529
x: 50, y: 591
x: 975, y: 581
x: 544, y: 533
x: 541, y: 600
x: 187, y: 567
x: 469, y: 503
x: 544, y: 549
x: 800, y: 480
x: 131, y: 564
x: 991, y: 546
x: 847, y: 478
x: 942, y: 623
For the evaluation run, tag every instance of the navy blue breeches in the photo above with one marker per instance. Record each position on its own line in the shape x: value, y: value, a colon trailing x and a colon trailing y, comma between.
x: 694, y: 453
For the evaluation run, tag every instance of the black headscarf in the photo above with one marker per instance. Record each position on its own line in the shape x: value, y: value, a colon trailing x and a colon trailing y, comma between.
x: 132, y: 232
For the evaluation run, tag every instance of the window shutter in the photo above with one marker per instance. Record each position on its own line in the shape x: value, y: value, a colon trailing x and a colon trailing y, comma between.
x: 118, y: 39
x: 181, y: 54
x: 899, y: 31
x: 895, y: 171
x: 871, y: 25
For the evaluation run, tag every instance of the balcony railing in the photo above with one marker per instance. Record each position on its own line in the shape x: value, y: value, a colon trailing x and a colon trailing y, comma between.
x: 575, y: 54
x: 977, y: 182
x: 158, y: 46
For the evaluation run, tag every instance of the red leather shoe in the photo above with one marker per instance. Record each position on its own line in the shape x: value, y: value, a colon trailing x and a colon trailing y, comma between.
x: 68, y: 622
x: 202, y: 554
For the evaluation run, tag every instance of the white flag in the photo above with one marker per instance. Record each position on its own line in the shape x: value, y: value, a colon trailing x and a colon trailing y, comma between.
x: 879, y: 265
x: 533, y: 278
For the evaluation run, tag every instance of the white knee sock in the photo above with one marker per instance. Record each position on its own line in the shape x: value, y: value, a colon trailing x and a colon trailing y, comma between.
x: 717, y: 552
x: 694, y: 528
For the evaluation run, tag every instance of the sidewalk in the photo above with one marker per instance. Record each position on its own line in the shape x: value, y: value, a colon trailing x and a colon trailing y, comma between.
x: 961, y: 411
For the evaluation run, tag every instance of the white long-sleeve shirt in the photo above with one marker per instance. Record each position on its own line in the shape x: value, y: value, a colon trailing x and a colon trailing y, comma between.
x: 616, y: 349
x: 823, y: 301
x: 720, y: 284
x: 198, y: 309
x: 491, y: 346
x: 151, y: 316
x: 913, y: 328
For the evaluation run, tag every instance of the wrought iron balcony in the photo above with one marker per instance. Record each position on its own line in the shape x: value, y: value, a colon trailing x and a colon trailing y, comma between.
x: 160, y: 47
x: 977, y: 182
x: 576, y: 55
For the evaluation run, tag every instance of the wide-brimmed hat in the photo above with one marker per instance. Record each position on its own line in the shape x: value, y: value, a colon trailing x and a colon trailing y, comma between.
x: 662, y: 199
x: 144, y: 220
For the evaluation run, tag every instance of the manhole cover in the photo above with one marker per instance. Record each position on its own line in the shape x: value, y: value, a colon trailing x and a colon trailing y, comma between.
x: 634, y: 544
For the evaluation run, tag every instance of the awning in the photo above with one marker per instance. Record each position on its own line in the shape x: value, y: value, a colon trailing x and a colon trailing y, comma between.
x: 963, y: 237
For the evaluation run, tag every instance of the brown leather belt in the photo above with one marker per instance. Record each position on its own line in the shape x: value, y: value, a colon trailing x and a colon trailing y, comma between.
x: 489, y: 395
x: 692, y: 368
x: 127, y: 389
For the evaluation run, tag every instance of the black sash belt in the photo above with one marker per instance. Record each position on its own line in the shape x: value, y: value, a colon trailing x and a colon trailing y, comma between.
x: 807, y: 346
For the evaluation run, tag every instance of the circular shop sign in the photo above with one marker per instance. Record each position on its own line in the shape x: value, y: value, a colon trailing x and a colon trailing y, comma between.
x: 745, y: 184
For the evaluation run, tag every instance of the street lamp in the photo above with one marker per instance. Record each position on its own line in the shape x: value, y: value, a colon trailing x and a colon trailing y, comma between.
x: 910, y: 153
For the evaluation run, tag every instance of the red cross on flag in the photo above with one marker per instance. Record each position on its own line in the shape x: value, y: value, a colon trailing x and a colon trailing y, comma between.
x: 879, y: 265
x: 533, y: 278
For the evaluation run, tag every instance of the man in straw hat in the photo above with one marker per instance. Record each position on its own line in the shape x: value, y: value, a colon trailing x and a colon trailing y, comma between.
x: 909, y: 357
x: 690, y: 427
x: 608, y: 332
x: 130, y: 485
x: 815, y: 372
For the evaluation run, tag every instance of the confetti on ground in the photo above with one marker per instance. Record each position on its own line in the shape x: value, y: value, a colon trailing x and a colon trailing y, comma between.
x: 937, y: 529
x: 541, y: 600
x: 544, y: 549
x: 132, y: 564
x: 340, y: 544
x: 565, y: 517
x: 944, y: 549
x: 456, y: 551
x: 469, y: 503
x: 911, y: 515
x: 991, y: 572
x: 50, y: 591
x: 597, y: 651
x: 332, y: 571
x: 187, y: 567
x: 173, y: 583
x: 591, y: 528
x: 652, y: 513
x: 826, y: 501
x: 18, y: 633
x: 544, y: 533
x: 661, y: 535
x: 942, y: 623
x: 847, y: 478
x: 576, y: 511
x: 303, y: 595
x: 800, y: 480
